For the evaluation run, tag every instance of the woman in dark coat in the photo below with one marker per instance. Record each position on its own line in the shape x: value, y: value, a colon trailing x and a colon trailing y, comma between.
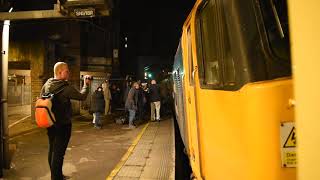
x: 97, y: 107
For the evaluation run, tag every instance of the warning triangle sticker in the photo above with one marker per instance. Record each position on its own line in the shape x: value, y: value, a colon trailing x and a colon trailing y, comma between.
x: 291, y: 140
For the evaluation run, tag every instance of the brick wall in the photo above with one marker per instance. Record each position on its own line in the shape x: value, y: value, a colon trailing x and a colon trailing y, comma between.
x: 34, y: 53
x: 38, y: 75
x: 43, y: 54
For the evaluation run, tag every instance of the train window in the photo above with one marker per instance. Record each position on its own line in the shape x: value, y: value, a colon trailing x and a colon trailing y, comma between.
x: 190, y: 59
x: 276, y: 24
x: 217, y: 67
x: 209, y: 35
x: 229, y: 73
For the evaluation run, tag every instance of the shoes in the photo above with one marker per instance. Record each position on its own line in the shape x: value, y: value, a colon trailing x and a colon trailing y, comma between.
x: 97, y: 127
x: 152, y: 120
x: 132, y: 126
x: 158, y: 120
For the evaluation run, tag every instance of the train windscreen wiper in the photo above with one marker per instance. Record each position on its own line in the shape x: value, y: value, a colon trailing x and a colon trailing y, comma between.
x: 275, y: 13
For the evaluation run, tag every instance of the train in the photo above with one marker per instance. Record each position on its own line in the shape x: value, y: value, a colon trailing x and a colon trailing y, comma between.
x: 233, y: 91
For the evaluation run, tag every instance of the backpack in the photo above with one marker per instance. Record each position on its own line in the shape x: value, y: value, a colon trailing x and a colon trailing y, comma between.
x: 43, y: 109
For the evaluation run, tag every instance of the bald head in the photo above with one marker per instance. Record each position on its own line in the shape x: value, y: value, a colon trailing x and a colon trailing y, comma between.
x: 61, y: 71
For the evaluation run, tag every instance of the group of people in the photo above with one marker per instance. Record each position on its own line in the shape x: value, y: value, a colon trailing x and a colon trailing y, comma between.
x: 59, y: 134
x: 137, y: 98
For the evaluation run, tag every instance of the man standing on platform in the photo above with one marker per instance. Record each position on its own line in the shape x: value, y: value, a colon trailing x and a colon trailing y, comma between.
x: 107, y: 96
x: 59, y: 134
x: 154, y: 95
x: 132, y: 104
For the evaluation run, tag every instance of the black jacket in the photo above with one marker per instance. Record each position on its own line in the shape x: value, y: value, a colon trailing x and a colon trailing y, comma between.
x: 154, y: 93
x: 61, y: 107
x: 141, y: 98
x: 98, y: 103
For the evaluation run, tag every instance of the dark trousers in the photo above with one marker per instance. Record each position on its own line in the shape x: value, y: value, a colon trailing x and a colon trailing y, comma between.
x: 59, y: 137
x: 141, y: 112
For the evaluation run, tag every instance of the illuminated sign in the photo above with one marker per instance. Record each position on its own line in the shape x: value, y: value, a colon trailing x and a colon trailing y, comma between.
x: 88, y: 12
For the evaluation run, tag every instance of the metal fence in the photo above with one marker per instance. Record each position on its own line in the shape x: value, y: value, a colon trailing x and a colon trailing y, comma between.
x: 18, y: 94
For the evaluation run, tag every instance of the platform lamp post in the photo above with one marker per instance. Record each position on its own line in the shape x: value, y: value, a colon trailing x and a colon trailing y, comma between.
x: 1, y: 127
x: 4, y: 94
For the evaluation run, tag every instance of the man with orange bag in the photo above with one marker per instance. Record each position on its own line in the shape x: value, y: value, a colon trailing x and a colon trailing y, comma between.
x: 59, y: 134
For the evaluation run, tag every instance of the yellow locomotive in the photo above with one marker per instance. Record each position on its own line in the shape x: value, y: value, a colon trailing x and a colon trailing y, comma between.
x: 233, y: 90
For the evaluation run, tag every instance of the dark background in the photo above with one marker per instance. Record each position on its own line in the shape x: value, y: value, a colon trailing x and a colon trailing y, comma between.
x: 152, y: 28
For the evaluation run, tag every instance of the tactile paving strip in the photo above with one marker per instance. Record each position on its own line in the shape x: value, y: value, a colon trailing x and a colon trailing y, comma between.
x: 153, y: 156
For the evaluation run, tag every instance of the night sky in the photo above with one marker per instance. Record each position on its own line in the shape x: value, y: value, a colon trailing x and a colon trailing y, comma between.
x: 153, y: 28
x: 158, y: 23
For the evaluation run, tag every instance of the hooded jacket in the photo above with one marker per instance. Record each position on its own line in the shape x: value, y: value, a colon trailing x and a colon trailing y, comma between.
x: 61, y: 107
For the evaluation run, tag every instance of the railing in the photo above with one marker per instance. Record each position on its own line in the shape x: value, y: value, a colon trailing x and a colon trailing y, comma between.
x: 19, y: 95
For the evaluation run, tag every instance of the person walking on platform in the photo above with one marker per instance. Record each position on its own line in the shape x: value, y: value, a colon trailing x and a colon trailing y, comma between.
x: 154, y: 95
x: 131, y: 104
x: 97, y: 107
x: 107, y: 96
x: 59, y: 134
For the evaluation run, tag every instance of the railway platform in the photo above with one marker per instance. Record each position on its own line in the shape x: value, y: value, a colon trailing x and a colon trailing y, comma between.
x: 151, y: 156
x: 114, y: 152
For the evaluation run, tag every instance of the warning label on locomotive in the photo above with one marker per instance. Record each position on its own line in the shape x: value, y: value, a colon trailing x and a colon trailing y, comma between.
x: 288, y: 144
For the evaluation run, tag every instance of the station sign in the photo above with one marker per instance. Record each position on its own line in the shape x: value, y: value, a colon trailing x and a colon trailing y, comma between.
x: 87, y: 12
x: 288, y: 140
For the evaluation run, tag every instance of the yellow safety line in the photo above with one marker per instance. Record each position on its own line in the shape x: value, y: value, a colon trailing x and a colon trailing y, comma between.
x: 125, y: 157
